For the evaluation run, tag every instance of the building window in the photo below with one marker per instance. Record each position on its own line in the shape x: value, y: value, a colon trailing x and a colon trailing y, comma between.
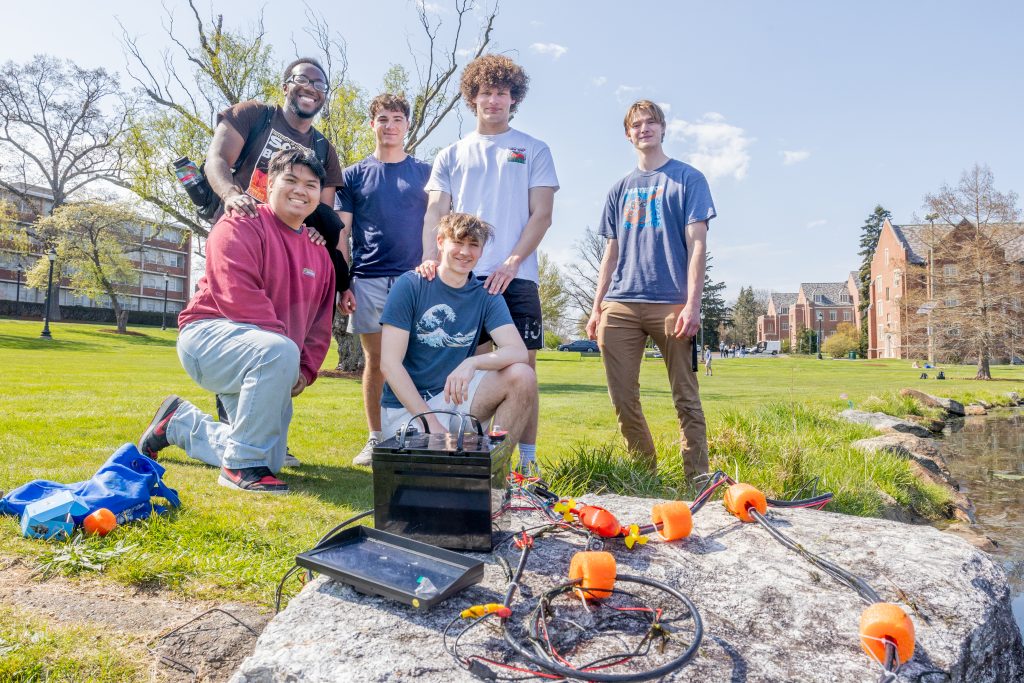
x: 818, y: 298
x: 847, y: 316
x: 784, y: 311
x: 844, y: 298
x: 833, y: 315
x: 785, y: 326
x: 952, y: 303
x: 886, y: 293
x: 887, y: 256
x: 880, y: 309
x: 949, y: 270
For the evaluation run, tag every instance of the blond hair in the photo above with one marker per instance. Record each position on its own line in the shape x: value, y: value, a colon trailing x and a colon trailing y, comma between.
x: 641, y: 107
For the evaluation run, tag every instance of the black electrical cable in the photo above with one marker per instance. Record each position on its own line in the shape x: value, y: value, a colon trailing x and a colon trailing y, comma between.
x: 323, y: 540
x: 859, y: 585
x: 545, y: 662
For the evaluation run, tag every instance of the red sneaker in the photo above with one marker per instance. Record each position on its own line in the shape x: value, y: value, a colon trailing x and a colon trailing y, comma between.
x: 252, y: 479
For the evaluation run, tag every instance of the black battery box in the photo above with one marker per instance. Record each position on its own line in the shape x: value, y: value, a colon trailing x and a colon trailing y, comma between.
x: 443, y: 489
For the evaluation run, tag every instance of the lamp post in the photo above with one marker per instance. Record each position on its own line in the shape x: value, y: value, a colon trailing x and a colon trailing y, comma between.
x: 163, y: 317
x: 17, y: 288
x: 820, y: 318
x: 52, y: 256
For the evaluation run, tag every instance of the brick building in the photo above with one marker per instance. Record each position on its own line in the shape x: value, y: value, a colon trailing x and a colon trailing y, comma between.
x: 912, y: 274
x: 162, y: 252
x: 789, y: 314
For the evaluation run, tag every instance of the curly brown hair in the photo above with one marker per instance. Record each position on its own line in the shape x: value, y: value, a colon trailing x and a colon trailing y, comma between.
x: 496, y: 71
x: 464, y: 226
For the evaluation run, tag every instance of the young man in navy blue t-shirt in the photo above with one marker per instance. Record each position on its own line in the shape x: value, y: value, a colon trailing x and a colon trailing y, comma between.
x: 430, y: 330
x: 381, y: 203
x: 650, y: 283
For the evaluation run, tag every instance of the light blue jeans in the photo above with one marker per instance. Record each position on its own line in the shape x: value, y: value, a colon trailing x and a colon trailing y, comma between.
x: 253, y: 371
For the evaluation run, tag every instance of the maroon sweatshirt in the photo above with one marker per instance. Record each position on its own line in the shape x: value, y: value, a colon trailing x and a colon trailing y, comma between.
x: 260, y: 271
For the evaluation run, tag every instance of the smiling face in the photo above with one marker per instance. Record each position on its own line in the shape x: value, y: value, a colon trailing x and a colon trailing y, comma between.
x: 390, y: 128
x: 293, y: 194
x: 459, y: 256
x: 305, y: 101
x: 494, y: 104
x: 645, y: 132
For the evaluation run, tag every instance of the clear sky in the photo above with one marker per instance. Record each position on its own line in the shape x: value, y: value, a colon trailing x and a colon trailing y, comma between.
x: 803, y: 115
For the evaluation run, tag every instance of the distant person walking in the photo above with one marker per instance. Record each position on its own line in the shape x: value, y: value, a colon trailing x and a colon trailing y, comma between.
x: 707, y: 361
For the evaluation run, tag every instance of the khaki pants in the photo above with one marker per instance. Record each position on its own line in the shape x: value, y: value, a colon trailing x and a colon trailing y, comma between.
x: 621, y: 335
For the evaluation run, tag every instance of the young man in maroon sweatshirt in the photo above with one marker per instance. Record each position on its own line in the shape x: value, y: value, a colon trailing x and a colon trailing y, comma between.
x: 255, y: 332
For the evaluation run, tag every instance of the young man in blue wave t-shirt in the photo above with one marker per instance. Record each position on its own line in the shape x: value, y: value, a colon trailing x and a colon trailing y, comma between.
x: 650, y: 283
x: 430, y: 330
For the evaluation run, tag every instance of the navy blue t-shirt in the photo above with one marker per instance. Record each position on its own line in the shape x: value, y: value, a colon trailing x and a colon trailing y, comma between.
x: 443, y: 324
x: 647, y: 212
x: 387, y: 203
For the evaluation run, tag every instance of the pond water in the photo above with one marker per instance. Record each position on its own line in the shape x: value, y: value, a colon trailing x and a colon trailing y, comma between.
x: 991, y: 471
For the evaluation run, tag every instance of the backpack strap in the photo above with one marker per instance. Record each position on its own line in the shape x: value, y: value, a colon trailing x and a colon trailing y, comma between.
x: 255, y: 133
x: 320, y: 147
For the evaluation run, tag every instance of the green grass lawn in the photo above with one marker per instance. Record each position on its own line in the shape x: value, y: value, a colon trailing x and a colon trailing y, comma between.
x: 65, y: 405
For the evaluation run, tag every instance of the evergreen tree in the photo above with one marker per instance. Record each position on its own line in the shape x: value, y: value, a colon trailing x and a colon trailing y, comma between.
x: 744, y: 316
x: 712, y: 306
x: 869, y: 234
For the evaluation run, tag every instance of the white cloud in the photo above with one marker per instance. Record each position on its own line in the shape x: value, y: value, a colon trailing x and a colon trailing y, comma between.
x: 430, y: 7
x: 795, y: 156
x: 464, y: 52
x: 720, y: 148
x: 553, y: 49
x: 599, y: 80
x: 817, y: 223
x: 625, y: 94
x: 665, y: 107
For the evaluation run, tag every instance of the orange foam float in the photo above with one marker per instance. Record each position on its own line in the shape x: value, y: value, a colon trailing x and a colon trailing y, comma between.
x: 596, y: 573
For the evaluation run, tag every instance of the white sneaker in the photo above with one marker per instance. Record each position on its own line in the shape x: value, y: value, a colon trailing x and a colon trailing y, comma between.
x: 290, y: 460
x: 365, y: 457
x: 530, y: 468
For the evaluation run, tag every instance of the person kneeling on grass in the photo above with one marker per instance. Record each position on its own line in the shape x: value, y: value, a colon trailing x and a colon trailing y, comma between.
x: 430, y: 331
x: 255, y: 332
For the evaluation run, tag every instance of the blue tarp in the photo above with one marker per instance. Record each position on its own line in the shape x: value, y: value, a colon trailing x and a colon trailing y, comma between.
x: 124, y: 485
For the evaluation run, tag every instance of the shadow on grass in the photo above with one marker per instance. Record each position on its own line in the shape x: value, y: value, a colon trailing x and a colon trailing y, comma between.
x: 547, y: 388
x: 345, y: 486
x: 133, y: 338
x: 10, y: 341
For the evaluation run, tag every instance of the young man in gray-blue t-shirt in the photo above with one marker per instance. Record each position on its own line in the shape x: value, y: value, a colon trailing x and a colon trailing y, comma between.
x: 650, y: 283
x: 430, y: 330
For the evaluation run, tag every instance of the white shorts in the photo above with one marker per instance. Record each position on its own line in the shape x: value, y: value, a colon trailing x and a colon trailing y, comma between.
x: 392, y: 419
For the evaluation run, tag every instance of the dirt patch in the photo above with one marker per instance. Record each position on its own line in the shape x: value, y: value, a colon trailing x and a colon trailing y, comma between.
x: 126, y: 333
x: 191, y: 640
x: 339, y: 374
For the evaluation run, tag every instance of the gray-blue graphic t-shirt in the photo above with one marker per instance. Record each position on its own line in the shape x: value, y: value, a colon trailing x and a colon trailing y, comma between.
x: 647, y: 212
x: 387, y: 202
x: 443, y: 325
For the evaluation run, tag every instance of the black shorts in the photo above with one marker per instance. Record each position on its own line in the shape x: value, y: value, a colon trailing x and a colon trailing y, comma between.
x: 523, y: 299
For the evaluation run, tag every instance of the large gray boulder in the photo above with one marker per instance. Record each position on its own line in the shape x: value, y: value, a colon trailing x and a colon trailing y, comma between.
x: 949, y: 405
x: 884, y: 423
x: 769, y: 615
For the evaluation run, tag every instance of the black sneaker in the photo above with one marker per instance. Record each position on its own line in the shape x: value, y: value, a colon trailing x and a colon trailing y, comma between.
x: 252, y: 479
x: 154, y: 439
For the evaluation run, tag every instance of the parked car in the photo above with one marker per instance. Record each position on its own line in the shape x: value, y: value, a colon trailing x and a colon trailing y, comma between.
x: 581, y: 345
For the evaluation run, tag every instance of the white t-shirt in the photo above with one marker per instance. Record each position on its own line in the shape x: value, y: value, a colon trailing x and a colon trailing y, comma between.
x: 490, y: 176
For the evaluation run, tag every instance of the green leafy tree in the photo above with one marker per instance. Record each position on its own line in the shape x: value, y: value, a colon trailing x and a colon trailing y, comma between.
x: 96, y: 243
x: 807, y: 341
x: 555, y: 302
x: 712, y: 307
x: 869, y: 234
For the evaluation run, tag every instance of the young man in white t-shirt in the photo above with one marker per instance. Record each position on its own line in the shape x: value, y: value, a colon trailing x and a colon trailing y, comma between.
x: 507, y: 179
